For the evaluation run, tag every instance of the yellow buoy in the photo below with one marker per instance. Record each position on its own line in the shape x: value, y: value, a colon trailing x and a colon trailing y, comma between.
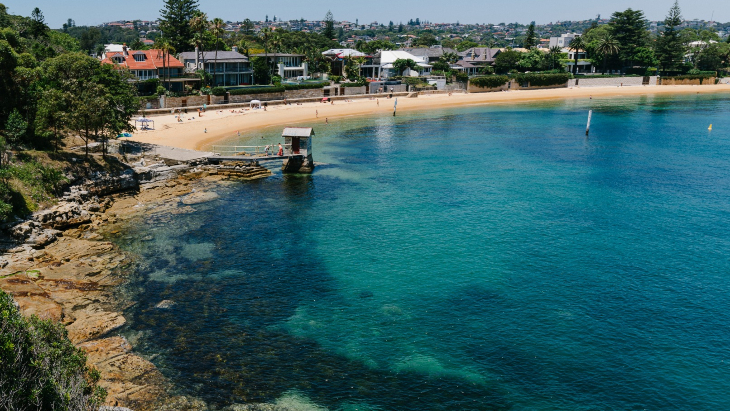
x: 710, y: 128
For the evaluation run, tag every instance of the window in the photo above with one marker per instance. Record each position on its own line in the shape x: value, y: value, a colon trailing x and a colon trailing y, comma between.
x: 139, y: 57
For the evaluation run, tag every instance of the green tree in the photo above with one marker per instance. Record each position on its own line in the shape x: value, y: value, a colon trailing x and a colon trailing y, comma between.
x: 629, y: 27
x: 507, y: 60
x: 669, y: 48
x: 175, y: 22
x: 607, y: 46
x: 217, y: 27
x: 15, y: 127
x: 425, y: 39
x: 199, y: 26
x: 51, y: 115
x: 554, y: 55
x: 261, y: 71
x: 89, y: 39
x: 576, y: 45
x: 40, y: 369
x: 530, y: 38
x: 247, y: 26
x: 100, y: 99
x: 400, y: 65
x: 466, y: 45
x: 38, y: 26
x: 372, y: 47
x: 329, y: 25
x: 533, y: 60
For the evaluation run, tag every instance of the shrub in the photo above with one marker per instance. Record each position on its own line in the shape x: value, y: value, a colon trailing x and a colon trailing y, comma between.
x: 460, y: 76
x: 489, y: 81
x: 40, y: 368
x: 336, y: 79
x: 305, y: 86
x: 543, y: 79
x: 161, y: 91
x: 257, y: 90
x: 218, y: 91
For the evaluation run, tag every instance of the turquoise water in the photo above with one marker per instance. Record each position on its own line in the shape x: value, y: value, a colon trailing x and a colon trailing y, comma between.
x: 480, y: 258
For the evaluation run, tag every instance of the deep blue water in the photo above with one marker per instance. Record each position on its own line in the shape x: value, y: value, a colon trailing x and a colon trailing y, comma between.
x: 483, y: 258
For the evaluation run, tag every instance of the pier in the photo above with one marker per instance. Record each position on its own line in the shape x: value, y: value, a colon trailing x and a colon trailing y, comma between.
x: 296, y: 154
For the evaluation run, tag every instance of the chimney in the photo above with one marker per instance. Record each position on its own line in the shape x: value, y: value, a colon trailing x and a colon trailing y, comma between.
x: 124, y: 50
x: 235, y: 49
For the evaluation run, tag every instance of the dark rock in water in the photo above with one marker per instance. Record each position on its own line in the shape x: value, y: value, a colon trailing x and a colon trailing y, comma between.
x: 165, y: 304
x: 256, y: 407
x: 366, y: 294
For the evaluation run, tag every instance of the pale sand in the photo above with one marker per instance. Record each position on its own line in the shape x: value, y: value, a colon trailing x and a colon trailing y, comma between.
x: 191, y: 133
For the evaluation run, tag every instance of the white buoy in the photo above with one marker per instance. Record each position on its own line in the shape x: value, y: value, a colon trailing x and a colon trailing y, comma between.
x: 588, y: 126
x: 710, y: 128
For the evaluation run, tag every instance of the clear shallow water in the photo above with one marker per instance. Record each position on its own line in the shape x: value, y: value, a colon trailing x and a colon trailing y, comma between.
x: 482, y: 258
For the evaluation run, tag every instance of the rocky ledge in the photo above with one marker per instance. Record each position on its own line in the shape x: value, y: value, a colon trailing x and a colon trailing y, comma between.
x: 57, y: 265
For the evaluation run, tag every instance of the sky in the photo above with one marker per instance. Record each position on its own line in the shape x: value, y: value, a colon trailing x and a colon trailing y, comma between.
x: 94, y: 12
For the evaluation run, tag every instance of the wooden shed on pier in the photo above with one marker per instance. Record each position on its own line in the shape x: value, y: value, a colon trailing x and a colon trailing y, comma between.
x: 298, y: 146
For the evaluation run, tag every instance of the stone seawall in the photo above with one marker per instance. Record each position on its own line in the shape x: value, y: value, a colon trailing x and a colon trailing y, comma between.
x: 476, y: 89
x: 710, y: 81
x: 610, y: 82
x: 353, y: 91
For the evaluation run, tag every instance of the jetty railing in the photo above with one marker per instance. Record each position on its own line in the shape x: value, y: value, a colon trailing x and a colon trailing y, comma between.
x: 247, y: 150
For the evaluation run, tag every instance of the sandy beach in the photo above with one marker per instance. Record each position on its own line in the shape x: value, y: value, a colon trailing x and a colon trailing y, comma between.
x: 215, y: 125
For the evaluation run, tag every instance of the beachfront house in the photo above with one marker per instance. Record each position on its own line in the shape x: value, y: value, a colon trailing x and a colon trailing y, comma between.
x: 230, y: 68
x: 584, y: 65
x: 384, y: 63
x: 432, y: 54
x: 338, y: 59
x: 150, y: 64
x: 474, y: 60
x: 288, y: 66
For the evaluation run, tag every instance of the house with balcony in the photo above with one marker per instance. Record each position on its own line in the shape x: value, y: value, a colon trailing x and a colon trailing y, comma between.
x: 229, y: 68
x: 585, y: 66
x: 287, y: 66
x: 150, y: 64
x: 381, y: 64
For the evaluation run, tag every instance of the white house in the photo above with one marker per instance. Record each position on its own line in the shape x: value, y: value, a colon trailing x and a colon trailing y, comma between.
x: 388, y: 57
x: 564, y: 40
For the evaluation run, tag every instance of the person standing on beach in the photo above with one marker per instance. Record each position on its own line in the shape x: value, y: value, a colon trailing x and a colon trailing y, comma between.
x: 326, y: 120
x: 377, y: 102
x: 316, y: 113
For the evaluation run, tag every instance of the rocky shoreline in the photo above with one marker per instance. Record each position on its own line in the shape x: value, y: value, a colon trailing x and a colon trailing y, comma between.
x: 58, y: 265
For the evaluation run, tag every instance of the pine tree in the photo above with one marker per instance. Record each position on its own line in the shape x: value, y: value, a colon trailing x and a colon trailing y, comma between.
x: 329, y: 26
x: 669, y: 48
x: 530, y: 39
x: 629, y: 27
x: 175, y: 22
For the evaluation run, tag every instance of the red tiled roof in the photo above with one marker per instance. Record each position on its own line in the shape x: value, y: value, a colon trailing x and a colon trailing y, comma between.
x: 153, y: 60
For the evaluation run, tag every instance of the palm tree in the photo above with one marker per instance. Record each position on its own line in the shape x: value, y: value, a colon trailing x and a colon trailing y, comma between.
x: 166, y: 48
x: 161, y: 44
x: 199, y: 23
x: 554, y: 52
x: 608, y: 46
x: 217, y: 28
x: 576, y: 44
